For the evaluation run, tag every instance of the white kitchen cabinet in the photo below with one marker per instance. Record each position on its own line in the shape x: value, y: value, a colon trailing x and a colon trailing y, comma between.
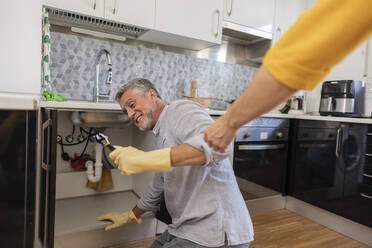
x: 139, y: 13
x: 20, y: 26
x: 87, y: 7
x: 286, y: 14
x: 257, y: 14
x: 368, y: 65
x: 195, y: 19
x: 352, y: 67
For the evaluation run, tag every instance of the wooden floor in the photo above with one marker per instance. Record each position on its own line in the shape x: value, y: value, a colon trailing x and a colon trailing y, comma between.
x: 284, y: 229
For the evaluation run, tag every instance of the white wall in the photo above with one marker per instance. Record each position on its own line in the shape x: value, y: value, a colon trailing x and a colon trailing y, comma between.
x: 20, y: 46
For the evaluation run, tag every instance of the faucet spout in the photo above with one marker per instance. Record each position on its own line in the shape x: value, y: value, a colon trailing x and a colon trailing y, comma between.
x: 96, y: 94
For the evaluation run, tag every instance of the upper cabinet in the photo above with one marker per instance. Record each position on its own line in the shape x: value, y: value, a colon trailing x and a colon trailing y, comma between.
x: 258, y: 14
x: 368, y: 64
x: 286, y: 14
x: 352, y: 67
x: 139, y: 13
x: 190, y: 18
x: 188, y: 24
x: 20, y: 46
x: 86, y: 7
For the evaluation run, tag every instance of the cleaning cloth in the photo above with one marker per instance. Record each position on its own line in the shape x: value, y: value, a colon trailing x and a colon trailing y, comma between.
x: 49, y: 96
x: 104, y: 184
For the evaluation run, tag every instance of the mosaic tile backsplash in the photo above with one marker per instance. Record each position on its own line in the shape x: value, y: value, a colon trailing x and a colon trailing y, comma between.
x: 73, y: 60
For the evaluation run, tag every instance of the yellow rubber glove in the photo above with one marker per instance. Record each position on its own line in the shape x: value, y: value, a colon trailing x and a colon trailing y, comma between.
x: 130, y: 160
x: 119, y: 219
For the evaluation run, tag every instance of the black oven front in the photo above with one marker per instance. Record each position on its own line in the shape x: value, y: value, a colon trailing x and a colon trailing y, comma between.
x: 260, y: 152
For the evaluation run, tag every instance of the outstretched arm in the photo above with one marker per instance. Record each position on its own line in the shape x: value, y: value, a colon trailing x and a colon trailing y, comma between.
x: 262, y: 94
x: 300, y: 60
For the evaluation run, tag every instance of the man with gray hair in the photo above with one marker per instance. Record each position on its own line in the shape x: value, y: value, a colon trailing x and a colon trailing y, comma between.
x: 198, y: 184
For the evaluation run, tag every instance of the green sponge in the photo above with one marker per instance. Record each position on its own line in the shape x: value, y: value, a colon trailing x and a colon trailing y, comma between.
x: 49, y: 96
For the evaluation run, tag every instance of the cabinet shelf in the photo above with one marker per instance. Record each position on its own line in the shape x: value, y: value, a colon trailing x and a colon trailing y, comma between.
x: 79, y: 214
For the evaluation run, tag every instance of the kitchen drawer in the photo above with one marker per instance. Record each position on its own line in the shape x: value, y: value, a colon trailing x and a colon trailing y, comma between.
x: 366, y: 190
x: 368, y: 160
x: 369, y: 147
x: 367, y: 179
x: 358, y: 206
x: 369, y: 137
x: 368, y: 169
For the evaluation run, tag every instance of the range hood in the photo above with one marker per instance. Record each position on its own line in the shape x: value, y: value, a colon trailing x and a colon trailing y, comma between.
x: 244, y: 34
x: 94, y: 24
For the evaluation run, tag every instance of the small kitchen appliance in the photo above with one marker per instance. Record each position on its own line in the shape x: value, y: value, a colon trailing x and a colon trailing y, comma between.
x: 298, y: 104
x: 344, y: 98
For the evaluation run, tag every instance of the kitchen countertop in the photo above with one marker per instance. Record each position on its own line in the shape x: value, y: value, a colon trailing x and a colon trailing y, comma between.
x: 17, y: 101
x: 114, y: 106
x: 304, y: 117
x: 82, y: 105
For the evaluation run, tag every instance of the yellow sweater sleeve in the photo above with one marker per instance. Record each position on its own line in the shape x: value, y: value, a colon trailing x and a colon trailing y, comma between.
x: 320, y: 39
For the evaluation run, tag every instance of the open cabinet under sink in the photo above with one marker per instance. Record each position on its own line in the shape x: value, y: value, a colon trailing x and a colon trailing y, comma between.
x: 67, y: 209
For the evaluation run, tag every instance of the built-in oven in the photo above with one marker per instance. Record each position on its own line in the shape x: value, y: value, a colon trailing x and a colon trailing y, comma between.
x: 260, y: 155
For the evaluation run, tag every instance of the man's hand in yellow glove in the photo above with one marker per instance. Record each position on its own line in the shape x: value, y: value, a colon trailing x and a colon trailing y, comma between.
x: 130, y: 160
x: 119, y: 219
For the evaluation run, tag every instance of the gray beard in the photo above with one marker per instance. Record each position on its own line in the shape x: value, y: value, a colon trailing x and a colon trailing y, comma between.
x: 148, y: 117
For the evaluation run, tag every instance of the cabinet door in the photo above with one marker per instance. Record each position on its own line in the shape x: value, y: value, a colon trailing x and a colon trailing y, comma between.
x: 252, y: 13
x: 88, y: 7
x: 47, y: 183
x: 316, y: 176
x: 190, y: 18
x: 368, y: 79
x: 357, y: 200
x: 20, y: 72
x: 139, y: 13
x: 17, y: 177
x: 352, y: 67
x: 286, y: 14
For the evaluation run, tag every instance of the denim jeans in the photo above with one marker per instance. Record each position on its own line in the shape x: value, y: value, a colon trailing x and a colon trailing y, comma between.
x: 167, y: 240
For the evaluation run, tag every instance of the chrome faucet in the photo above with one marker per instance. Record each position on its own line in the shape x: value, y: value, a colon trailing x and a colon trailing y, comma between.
x: 96, y: 94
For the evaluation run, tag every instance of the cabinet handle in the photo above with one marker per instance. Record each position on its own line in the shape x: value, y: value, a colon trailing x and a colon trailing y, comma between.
x: 314, y: 145
x: 229, y: 10
x: 366, y: 175
x: 218, y: 22
x: 45, y: 125
x: 369, y: 134
x: 369, y: 154
x: 278, y: 34
x: 366, y: 196
x: 114, y: 10
x: 338, y: 142
x: 95, y: 4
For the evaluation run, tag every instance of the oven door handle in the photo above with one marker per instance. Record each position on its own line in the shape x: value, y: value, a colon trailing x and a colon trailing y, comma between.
x: 260, y: 147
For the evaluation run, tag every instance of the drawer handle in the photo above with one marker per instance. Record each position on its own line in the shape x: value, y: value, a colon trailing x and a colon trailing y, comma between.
x: 369, y: 154
x: 366, y: 196
x: 369, y: 134
x: 366, y: 175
